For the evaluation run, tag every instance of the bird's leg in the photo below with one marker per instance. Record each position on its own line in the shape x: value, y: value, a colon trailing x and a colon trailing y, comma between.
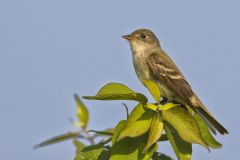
x: 180, y: 104
x: 165, y: 101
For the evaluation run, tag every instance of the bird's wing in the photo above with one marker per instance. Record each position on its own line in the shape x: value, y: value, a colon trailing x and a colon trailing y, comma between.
x: 166, y: 71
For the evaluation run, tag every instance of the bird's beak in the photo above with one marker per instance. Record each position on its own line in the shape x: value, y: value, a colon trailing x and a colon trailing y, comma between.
x: 128, y: 37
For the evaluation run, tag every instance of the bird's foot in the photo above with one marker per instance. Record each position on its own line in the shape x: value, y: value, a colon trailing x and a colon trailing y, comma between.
x: 165, y: 101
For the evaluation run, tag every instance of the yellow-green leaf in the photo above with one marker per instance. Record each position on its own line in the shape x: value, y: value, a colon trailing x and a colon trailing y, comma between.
x: 118, y: 129
x: 106, y: 154
x: 117, y: 91
x: 181, y: 148
x: 82, y: 112
x: 78, y: 145
x: 136, y: 113
x: 153, y: 89
x: 185, y: 124
x: 128, y: 149
x: 92, y: 152
x: 60, y: 138
x: 138, y: 123
x: 167, y: 106
x: 150, y: 151
x: 155, y: 131
x: 151, y: 106
x: 206, y: 134
x: 107, y: 132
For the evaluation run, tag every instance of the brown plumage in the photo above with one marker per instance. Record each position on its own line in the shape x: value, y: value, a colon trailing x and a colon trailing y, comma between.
x: 175, y: 81
x: 152, y: 63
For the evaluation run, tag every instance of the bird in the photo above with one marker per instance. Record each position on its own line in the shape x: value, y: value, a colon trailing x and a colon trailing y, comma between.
x: 152, y: 63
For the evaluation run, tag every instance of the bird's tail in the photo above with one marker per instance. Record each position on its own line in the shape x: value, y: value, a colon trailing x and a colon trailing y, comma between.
x: 211, y: 121
x: 208, y: 118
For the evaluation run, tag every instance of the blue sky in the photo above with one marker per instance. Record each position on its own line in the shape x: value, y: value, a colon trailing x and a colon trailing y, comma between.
x: 50, y: 49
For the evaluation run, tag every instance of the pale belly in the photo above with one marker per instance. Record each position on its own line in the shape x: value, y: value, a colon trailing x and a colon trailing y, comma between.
x: 144, y: 72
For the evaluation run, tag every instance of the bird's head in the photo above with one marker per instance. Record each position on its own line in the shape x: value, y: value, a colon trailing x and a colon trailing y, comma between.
x: 142, y: 39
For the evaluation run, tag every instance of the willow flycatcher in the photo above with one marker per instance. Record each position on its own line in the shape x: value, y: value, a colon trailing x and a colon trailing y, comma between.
x: 152, y: 63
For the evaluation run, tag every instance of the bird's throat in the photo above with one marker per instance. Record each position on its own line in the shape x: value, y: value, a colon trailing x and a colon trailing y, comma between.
x: 137, y: 48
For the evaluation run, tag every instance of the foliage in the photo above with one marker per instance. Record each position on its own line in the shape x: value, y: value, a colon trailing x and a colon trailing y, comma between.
x: 138, y: 136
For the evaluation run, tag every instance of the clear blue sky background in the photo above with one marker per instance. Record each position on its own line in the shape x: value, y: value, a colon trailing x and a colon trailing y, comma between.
x: 50, y: 49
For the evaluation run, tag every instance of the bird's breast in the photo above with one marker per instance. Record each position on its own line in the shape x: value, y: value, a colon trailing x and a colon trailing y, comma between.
x: 143, y: 71
x: 141, y: 66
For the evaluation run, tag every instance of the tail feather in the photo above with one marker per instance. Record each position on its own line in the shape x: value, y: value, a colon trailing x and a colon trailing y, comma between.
x: 210, y: 126
x: 211, y: 121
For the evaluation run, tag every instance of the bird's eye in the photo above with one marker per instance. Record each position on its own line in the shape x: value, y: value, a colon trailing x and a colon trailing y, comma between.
x: 143, y: 36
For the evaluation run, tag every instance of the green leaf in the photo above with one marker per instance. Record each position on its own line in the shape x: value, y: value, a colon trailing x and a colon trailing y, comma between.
x: 138, y: 123
x: 161, y: 156
x: 167, y: 106
x: 107, y: 132
x: 106, y: 154
x: 82, y: 112
x: 155, y: 131
x: 153, y: 89
x: 78, y: 145
x: 150, y: 151
x: 136, y: 113
x: 128, y: 149
x: 118, y: 129
x: 160, y: 107
x: 117, y: 91
x: 206, y: 134
x: 185, y: 124
x: 151, y: 106
x: 115, y: 88
x: 60, y: 138
x: 92, y: 152
x: 181, y: 148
